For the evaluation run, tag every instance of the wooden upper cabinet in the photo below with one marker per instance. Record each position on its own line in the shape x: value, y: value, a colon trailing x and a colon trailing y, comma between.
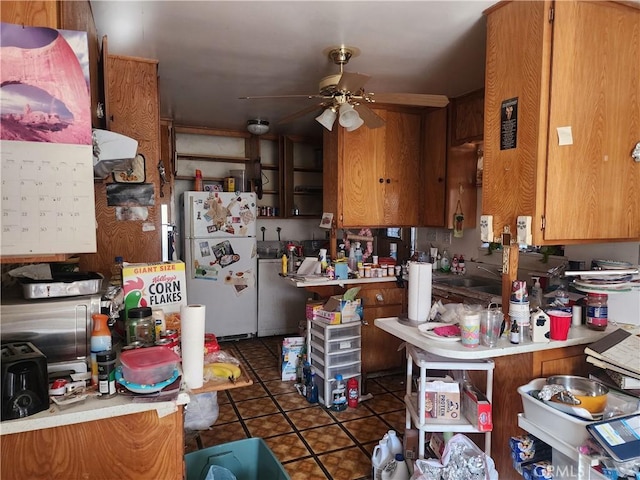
x: 577, y: 72
x: 372, y: 177
x: 467, y: 118
x: 434, y: 168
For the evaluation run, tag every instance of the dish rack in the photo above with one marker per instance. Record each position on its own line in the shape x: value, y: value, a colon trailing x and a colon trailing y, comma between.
x: 415, y: 402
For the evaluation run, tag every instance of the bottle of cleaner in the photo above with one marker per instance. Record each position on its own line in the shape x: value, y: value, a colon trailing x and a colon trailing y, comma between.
x: 379, y: 459
x: 535, y: 300
x: 445, y: 263
x: 353, y: 392
x: 338, y: 396
x: 358, y: 255
x: 100, y: 342
x: 395, y: 445
x: 396, y: 469
x: 353, y: 265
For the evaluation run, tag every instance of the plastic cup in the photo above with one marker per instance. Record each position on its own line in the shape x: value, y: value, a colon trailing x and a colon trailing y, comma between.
x: 470, y: 329
x: 490, y: 325
x: 559, y: 325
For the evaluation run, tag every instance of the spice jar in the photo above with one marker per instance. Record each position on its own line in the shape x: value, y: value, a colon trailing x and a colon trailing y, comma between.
x: 597, y: 311
x: 141, y: 326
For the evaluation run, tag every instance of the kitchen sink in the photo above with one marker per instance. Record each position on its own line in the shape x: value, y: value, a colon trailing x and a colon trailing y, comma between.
x: 492, y: 289
x: 466, y: 282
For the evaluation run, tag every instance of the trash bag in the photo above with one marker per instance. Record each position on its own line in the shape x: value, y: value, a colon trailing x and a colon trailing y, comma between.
x: 217, y: 472
x: 201, y: 411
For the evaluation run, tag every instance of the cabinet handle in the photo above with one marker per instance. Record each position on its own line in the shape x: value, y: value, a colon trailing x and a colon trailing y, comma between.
x: 381, y: 180
x: 388, y: 180
x: 440, y: 179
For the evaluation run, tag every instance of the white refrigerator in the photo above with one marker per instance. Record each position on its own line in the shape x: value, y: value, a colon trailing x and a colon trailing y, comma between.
x: 221, y: 261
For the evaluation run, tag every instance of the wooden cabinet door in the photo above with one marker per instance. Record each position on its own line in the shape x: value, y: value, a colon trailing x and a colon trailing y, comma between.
x: 467, y: 118
x: 433, y: 170
x: 133, y: 108
x: 579, y: 72
x: 401, y: 193
x: 592, y: 187
x: 362, y: 175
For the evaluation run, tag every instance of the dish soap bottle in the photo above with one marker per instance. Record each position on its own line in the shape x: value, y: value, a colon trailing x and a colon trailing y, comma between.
x: 358, y: 255
x: 445, y: 264
x: 536, y: 294
x: 353, y: 266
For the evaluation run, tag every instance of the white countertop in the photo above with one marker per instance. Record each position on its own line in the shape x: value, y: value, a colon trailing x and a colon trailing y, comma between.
x: 92, y: 409
x: 578, y: 335
x: 317, y: 280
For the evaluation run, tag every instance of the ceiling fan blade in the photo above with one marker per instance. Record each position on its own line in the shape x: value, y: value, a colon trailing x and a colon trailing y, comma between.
x: 371, y: 119
x: 262, y: 97
x: 300, y: 113
x: 352, y: 82
x: 416, y: 99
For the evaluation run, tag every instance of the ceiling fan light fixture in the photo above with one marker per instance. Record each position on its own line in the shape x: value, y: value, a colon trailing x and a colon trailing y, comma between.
x: 359, y: 122
x: 327, y: 118
x: 348, y: 116
x: 257, y: 126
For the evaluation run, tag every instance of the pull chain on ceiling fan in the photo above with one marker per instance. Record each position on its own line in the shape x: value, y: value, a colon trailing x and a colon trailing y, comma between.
x: 344, y: 98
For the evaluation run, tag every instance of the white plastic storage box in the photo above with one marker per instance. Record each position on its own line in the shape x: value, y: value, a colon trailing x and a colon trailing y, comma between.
x: 566, y: 428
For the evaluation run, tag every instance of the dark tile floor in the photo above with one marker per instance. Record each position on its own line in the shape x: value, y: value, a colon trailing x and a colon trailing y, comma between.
x: 310, y: 441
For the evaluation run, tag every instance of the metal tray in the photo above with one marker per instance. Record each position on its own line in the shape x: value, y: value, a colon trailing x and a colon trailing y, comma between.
x: 62, y: 285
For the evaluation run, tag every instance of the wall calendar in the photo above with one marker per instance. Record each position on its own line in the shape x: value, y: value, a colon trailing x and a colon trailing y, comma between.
x: 47, y: 198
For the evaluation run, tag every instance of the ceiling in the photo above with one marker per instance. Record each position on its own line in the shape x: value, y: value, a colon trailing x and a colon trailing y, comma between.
x: 212, y: 52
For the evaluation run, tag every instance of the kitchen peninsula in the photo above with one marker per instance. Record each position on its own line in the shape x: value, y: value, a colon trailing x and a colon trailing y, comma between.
x: 515, y: 365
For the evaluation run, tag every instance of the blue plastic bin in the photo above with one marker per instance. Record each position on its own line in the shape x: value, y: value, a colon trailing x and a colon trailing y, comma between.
x: 249, y: 459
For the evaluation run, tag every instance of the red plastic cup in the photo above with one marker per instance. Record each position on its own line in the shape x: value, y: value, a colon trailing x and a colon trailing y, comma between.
x: 560, y: 323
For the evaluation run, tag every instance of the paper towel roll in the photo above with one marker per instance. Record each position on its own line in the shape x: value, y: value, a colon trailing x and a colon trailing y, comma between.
x: 192, y: 343
x: 419, y: 291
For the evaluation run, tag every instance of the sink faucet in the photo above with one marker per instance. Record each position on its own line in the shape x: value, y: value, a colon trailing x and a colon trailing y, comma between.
x: 496, y: 273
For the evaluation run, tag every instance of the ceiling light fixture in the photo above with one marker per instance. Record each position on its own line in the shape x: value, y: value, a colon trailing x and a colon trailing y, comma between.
x: 327, y: 118
x: 349, y: 118
x: 257, y: 126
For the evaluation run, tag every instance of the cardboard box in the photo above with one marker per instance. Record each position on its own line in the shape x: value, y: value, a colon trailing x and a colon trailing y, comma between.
x: 336, y: 311
x: 442, y: 399
x: 292, y: 348
x: 312, y: 307
x: 156, y: 285
x: 477, y: 409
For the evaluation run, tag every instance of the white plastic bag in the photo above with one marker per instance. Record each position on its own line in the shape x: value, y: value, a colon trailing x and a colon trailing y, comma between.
x: 201, y: 411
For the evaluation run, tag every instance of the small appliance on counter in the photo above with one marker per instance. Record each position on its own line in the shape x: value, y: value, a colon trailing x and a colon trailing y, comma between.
x: 25, y: 387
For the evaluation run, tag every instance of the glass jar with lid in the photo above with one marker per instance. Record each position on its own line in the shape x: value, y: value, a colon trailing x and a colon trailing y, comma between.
x: 140, y: 326
x: 597, y: 311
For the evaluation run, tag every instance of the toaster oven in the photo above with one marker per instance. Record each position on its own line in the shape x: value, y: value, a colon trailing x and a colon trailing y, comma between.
x: 59, y: 327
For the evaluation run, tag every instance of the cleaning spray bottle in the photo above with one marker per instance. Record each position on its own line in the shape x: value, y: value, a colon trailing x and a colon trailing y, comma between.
x: 535, y: 300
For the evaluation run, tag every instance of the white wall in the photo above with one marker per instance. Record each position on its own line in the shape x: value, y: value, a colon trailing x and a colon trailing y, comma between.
x: 470, y: 241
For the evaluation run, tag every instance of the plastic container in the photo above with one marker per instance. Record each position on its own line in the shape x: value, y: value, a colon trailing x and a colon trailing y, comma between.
x: 106, y: 374
x: 396, y: 469
x: 248, y: 459
x: 240, y: 180
x: 116, y: 273
x: 140, y: 326
x: 395, y: 445
x: 597, y: 311
x: 379, y: 459
x: 147, y: 366
x: 339, y: 398
x: 198, y: 185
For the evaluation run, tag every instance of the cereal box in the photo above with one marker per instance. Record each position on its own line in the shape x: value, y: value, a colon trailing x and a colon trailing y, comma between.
x: 156, y: 285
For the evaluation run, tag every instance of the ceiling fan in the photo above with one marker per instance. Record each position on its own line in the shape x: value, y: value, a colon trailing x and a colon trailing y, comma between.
x: 344, y: 98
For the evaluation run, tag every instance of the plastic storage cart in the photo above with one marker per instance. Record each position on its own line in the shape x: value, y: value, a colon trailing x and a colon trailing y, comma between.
x: 415, y: 407
x: 249, y: 459
x: 333, y: 350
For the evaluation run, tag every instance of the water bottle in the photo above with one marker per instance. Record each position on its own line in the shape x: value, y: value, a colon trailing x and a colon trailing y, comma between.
x: 379, y: 459
x: 339, y: 399
x: 312, y: 390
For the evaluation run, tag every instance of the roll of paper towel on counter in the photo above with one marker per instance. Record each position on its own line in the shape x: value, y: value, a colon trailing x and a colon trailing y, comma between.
x: 419, y: 291
x: 192, y: 344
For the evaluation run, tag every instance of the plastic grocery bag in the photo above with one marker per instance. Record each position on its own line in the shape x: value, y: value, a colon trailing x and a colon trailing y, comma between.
x: 201, y: 411
x: 217, y: 472
x: 461, y: 460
